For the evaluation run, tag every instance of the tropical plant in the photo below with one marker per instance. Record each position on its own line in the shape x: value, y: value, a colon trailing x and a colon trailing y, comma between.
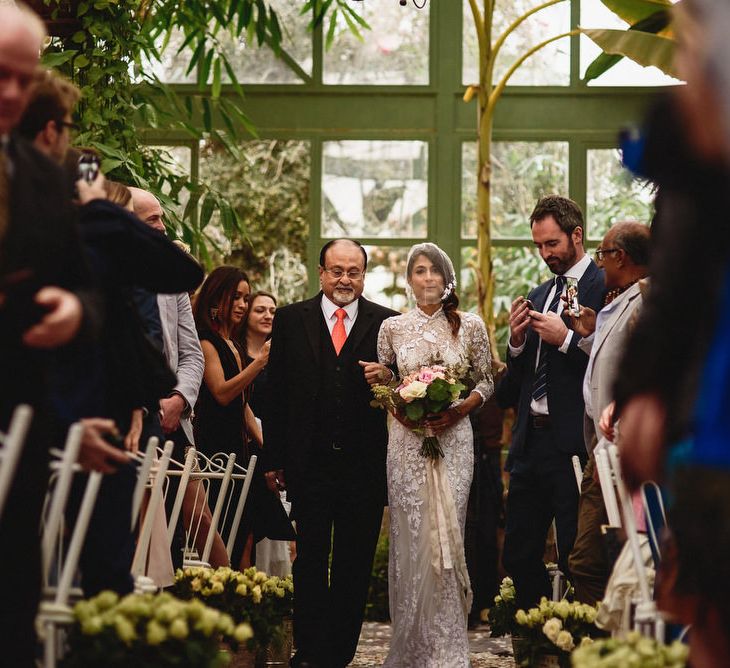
x: 649, y: 39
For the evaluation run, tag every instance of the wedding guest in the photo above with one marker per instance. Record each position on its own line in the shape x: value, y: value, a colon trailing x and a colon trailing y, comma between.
x: 270, y: 522
x: 223, y: 419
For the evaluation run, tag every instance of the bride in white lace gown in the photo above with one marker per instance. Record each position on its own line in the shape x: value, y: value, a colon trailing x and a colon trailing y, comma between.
x: 429, y: 588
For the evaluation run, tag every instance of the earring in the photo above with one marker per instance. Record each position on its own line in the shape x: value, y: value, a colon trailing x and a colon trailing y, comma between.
x: 214, y: 313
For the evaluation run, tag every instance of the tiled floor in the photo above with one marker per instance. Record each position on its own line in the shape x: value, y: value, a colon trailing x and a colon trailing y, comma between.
x: 485, y: 652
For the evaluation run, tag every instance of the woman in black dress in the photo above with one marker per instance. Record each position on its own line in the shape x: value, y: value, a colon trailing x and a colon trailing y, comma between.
x: 223, y: 419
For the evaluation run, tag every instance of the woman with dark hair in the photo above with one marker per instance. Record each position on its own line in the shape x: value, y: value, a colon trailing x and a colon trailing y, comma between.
x: 429, y: 589
x: 223, y: 420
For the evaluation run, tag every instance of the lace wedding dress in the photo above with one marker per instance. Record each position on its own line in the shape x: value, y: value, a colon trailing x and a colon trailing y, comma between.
x: 428, y: 585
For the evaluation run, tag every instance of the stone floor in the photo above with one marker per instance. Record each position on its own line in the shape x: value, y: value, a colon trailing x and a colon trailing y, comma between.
x: 485, y: 652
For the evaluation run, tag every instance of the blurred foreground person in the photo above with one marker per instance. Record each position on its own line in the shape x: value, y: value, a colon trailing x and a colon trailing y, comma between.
x: 42, y: 272
x: 672, y: 391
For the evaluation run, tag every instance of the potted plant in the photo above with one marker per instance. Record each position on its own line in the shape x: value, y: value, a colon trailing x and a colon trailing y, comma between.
x: 250, y: 597
x: 149, y: 631
x: 553, y: 629
x: 635, y: 650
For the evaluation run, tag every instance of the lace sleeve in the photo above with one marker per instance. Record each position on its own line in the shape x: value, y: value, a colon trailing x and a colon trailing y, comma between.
x: 478, y: 352
x: 386, y: 354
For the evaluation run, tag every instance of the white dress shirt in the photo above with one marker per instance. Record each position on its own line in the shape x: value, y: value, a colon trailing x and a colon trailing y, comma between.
x: 329, y: 308
x: 540, y: 407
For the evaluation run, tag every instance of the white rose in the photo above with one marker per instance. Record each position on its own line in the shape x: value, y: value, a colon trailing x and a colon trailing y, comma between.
x: 552, y: 628
x: 414, y: 390
x: 565, y: 641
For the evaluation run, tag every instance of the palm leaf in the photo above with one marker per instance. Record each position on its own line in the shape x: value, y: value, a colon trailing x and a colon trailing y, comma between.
x: 633, y: 11
x: 642, y: 47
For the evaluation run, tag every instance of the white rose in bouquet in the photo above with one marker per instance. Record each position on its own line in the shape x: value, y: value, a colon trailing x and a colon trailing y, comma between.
x: 414, y: 390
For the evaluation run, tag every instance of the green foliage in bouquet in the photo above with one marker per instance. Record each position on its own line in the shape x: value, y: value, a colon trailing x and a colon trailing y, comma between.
x: 149, y: 631
x: 556, y: 628
x: 250, y: 596
x: 501, y: 617
x: 635, y: 651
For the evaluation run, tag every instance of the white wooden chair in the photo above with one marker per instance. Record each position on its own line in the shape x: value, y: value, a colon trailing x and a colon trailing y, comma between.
x: 12, y: 443
x: 60, y: 558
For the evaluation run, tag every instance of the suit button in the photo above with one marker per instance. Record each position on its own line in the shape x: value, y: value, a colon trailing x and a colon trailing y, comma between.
x: 338, y: 368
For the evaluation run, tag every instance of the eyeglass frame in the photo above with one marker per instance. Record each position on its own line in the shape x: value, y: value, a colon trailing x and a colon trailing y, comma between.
x: 337, y: 273
x: 73, y: 127
x: 600, y: 252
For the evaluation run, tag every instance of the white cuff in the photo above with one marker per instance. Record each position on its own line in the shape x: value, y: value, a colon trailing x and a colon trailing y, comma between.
x: 566, y: 344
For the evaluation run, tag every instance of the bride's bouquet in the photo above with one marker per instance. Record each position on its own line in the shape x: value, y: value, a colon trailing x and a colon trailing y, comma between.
x: 428, y: 391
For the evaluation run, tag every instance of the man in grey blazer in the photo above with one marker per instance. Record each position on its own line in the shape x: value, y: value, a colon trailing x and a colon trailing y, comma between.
x: 181, y: 345
x: 624, y: 256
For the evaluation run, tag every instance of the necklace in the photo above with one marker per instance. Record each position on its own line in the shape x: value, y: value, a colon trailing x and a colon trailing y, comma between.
x: 612, y: 294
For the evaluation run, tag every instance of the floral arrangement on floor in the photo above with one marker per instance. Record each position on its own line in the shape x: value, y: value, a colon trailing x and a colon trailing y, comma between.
x: 250, y: 596
x: 635, y: 650
x: 431, y: 389
x: 149, y: 631
x: 556, y: 628
x: 501, y: 617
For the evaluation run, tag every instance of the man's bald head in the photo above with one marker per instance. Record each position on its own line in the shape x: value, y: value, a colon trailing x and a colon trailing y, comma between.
x: 147, y: 208
x: 21, y: 40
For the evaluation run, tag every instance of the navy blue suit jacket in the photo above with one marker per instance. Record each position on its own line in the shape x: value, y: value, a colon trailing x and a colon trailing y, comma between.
x: 564, y: 377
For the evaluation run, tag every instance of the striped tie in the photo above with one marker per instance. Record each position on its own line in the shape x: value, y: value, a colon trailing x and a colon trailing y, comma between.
x: 539, y: 387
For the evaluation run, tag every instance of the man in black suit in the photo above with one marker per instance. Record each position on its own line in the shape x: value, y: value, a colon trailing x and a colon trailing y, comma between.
x: 545, y: 369
x: 42, y: 274
x: 327, y: 445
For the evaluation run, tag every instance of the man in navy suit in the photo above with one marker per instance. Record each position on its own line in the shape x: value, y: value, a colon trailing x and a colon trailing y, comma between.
x: 545, y: 369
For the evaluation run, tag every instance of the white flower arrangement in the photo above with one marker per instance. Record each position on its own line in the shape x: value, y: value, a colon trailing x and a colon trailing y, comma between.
x: 635, y: 650
x: 146, y: 630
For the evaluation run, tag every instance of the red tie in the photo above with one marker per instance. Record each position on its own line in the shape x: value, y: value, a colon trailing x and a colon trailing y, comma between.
x: 339, y: 335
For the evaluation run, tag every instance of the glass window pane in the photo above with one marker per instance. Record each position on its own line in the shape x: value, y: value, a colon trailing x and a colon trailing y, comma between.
x: 385, y: 281
x: 394, y: 51
x: 522, y: 172
x: 270, y: 191
x: 613, y: 194
x: 172, y: 66
x: 375, y: 189
x: 259, y: 64
x: 550, y: 66
x: 594, y: 14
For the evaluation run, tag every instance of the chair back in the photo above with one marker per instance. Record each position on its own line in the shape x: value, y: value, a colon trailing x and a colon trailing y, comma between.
x: 12, y: 443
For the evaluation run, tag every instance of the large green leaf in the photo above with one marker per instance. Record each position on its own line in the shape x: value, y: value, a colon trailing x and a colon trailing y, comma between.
x: 633, y: 11
x: 642, y: 47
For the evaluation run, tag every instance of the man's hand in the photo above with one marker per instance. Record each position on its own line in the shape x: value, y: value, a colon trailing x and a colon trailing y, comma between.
x: 131, y: 440
x: 585, y: 324
x: 96, y: 454
x: 641, y: 439
x: 549, y: 327
x: 60, y: 324
x: 375, y: 373
x: 171, y: 409
x: 605, y: 423
x: 275, y: 480
x: 91, y: 191
x: 519, y: 321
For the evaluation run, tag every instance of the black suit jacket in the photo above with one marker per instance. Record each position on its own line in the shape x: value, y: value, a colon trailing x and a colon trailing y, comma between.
x: 294, y: 372
x: 42, y: 241
x: 565, y: 375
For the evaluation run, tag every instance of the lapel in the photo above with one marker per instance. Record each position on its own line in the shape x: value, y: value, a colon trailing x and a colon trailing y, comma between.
x: 615, y: 317
x: 363, y: 323
x: 312, y: 317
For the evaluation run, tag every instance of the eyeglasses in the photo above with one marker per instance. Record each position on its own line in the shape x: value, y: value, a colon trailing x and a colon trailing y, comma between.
x: 73, y: 127
x: 353, y: 274
x: 600, y: 252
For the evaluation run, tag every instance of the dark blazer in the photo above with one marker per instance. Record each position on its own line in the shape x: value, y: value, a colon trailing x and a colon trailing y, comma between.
x: 294, y: 372
x: 565, y: 375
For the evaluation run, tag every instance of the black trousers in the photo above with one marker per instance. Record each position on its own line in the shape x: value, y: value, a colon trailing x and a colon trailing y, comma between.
x: 339, y: 520
x: 542, y: 488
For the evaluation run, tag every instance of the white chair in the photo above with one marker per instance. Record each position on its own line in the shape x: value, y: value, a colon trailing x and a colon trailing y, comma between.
x: 606, y: 479
x: 60, y: 559
x: 12, y: 443
x: 154, y: 482
x: 235, y: 482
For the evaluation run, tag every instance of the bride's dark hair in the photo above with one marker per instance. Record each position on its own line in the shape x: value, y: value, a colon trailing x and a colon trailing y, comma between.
x: 451, y: 303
